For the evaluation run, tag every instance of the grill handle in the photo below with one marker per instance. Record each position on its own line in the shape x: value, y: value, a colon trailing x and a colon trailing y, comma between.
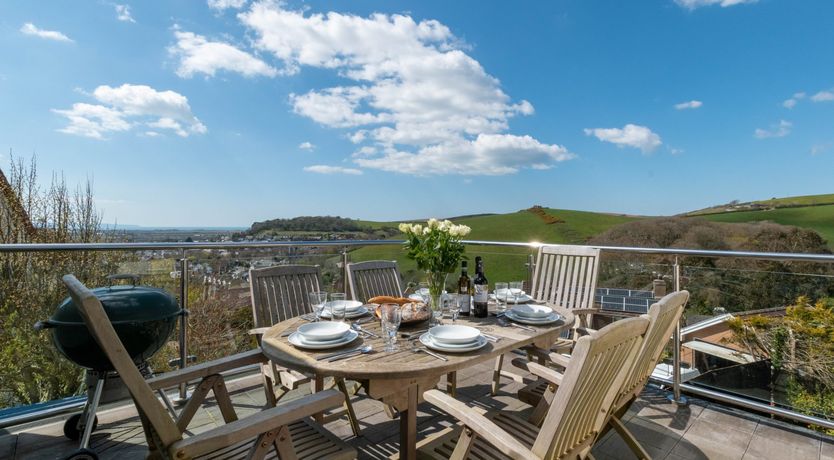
x: 126, y: 276
x: 41, y: 325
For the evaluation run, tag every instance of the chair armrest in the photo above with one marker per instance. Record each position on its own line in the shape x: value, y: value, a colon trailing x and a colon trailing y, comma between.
x: 546, y: 373
x: 258, y: 331
x: 254, y: 425
x: 559, y: 359
x: 482, y: 426
x: 203, y: 370
x: 584, y: 311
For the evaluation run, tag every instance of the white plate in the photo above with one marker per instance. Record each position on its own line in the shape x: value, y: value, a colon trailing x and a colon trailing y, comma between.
x: 323, y: 331
x: 453, y: 335
x: 296, y: 339
x: 524, y: 298
x: 426, y: 340
x: 532, y: 311
x: 554, y: 317
x: 350, y: 305
x: 348, y: 314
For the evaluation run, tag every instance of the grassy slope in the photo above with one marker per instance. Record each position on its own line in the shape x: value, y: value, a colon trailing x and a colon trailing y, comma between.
x: 502, y: 263
x: 818, y: 218
x: 805, y: 200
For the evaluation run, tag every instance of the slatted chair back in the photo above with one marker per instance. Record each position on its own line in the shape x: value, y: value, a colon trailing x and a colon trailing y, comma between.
x: 374, y: 278
x: 583, y: 401
x: 663, y: 317
x: 281, y: 292
x: 151, y: 409
x: 566, y: 275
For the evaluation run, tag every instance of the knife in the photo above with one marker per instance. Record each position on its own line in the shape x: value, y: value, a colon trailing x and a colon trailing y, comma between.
x: 337, y: 353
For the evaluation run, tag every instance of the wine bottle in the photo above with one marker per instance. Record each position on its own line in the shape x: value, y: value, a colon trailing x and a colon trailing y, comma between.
x: 481, y: 289
x: 464, y: 290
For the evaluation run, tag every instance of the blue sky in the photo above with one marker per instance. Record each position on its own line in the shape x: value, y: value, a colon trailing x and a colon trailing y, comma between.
x: 229, y: 111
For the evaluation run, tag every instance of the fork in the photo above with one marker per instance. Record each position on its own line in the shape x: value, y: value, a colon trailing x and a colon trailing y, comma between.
x: 416, y: 349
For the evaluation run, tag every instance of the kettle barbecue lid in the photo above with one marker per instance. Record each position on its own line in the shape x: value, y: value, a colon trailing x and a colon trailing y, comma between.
x: 124, y: 303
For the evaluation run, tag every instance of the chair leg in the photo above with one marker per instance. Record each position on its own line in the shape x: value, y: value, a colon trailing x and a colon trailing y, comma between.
x: 391, y: 411
x: 263, y: 443
x: 540, y: 411
x: 317, y: 386
x: 269, y: 389
x: 629, y: 438
x: 354, y: 424
x: 496, y: 374
x: 464, y: 444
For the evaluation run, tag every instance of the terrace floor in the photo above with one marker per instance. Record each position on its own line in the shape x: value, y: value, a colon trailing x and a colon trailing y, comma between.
x: 699, y: 431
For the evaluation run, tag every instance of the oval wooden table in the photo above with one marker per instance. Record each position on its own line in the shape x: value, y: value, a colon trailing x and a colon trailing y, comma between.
x: 399, y: 378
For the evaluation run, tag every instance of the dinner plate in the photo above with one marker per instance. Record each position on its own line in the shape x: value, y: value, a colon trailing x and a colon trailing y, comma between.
x: 552, y: 318
x: 524, y: 298
x: 323, y: 331
x: 350, y: 305
x: 454, y: 334
x: 426, y: 340
x: 298, y: 340
x: 532, y: 311
x: 348, y: 314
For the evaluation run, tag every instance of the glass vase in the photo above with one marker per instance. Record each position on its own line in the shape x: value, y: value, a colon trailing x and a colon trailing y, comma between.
x: 436, y: 310
x: 436, y: 282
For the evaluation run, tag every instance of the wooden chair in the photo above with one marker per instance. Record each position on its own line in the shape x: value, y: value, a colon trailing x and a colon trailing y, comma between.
x: 280, y: 293
x: 564, y: 276
x: 284, y: 429
x: 374, y: 278
x: 663, y: 316
x: 586, y: 392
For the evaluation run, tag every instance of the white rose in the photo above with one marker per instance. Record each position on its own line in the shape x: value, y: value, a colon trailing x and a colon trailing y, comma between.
x: 463, y: 230
x: 426, y: 231
x: 404, y: 227
x: 445, y: 226
x: 432, y: 223
x: 454, y: 231
x: 417, y: 229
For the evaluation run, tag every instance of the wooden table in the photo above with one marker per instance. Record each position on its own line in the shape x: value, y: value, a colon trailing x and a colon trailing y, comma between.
x: 400, y: 378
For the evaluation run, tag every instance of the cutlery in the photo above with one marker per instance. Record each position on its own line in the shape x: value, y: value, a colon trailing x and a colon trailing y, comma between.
x: 287, y: 333
x: 357, y: 352
x: 417, y: 349
x: 356, y: 327
x: 408, y: 335
x: 491, y: 338
x: 337, y: 353
x: 505, y: 322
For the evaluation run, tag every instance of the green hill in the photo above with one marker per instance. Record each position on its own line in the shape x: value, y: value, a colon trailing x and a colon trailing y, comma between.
x: 505, y: 263
x: 819, y: 218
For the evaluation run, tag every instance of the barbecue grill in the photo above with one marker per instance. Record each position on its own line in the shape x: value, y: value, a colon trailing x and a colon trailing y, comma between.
x: 143, y: 318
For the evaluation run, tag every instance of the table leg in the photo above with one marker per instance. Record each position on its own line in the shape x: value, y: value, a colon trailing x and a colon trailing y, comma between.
x: 408, y: 427
x: 318, y: 388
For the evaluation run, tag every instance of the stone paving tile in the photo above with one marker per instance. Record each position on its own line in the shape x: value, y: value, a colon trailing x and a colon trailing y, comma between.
x: 705, y: 439
x: 724, y: 416
x: 770, y: 441
x: 827, y: 449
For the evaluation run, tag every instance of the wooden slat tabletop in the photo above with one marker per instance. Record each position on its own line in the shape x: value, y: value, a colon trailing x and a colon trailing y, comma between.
x: 405, y: 364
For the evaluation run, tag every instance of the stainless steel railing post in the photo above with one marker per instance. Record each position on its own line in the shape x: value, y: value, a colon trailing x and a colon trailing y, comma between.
x: 676, y: 396
x: 183, y: 339
x: 531, y: 266
x: 345, y: 261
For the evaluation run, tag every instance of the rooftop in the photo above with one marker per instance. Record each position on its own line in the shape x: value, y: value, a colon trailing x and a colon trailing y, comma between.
x: 700, y: 430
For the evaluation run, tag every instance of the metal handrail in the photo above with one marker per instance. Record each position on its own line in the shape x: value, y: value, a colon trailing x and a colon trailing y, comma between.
x: 45, y: 247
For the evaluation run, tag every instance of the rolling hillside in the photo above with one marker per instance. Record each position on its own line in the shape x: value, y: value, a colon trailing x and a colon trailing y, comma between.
x: 817, y: 218
x: 502, y: 263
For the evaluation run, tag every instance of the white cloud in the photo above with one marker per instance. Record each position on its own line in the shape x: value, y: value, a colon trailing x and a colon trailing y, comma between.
x: 693, y: 4
x: 308, y: 146
x: 689, y: 105
x: 326, y: 169
x: 817, y: 149
x: 792, y: 101
x: 127, y: 106
x: 488, y: 154
x: 823, y: 96
x: 781, y: 129
x: 629, y: 135
x: 224, y: 4
x: 198, y: 55
x: 408, y: 87
x: 31, y: 29
x: 123, y: 13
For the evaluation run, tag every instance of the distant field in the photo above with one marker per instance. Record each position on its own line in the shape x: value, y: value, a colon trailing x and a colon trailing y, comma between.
x: 818, y: 218
x: 503, y: 263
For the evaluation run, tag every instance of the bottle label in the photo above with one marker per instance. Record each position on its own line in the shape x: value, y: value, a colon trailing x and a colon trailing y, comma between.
x: 481, y: 294
x: 465, y: 302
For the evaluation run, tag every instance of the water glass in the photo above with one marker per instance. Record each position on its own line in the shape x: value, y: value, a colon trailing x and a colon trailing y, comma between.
x: 391, y: 317
x: 516, y: 290
x: 454, y: 305
x: 337, y: 307
x: 317, y: 301
x: 436, y: 307
x: 423, y: 291
x: 501, y: 293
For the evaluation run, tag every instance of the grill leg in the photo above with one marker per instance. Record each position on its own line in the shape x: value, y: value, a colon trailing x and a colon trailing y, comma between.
x: 90, y: 411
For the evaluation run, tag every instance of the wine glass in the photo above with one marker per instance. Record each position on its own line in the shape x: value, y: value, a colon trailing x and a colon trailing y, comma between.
x: 391, y: 318
x: 317, y: 301
x: 337, y: 307
x: 516, y: 290
x: 501, y: 293
x: 423, y: 292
